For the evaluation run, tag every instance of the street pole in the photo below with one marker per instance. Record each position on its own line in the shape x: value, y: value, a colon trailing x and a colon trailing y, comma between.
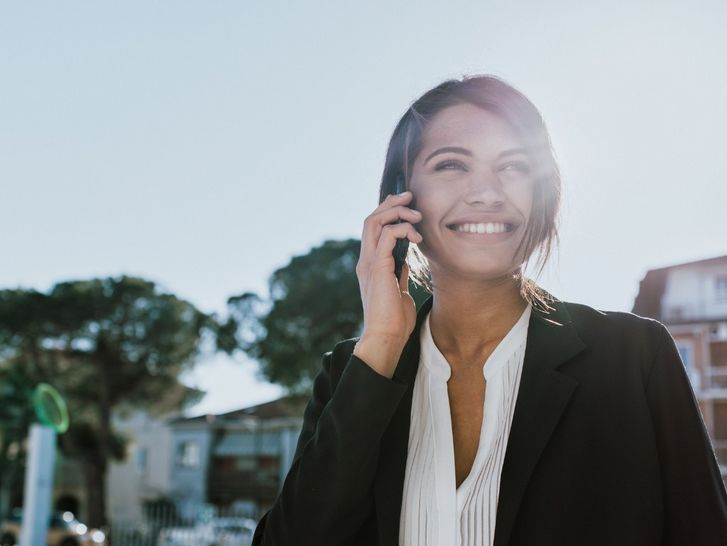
x: 38, y: 486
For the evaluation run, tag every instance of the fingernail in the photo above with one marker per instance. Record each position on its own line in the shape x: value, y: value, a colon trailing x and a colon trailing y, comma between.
x: 403, y: 193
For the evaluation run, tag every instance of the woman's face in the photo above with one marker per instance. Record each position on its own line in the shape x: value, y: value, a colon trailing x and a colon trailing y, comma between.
x: 473, y: 184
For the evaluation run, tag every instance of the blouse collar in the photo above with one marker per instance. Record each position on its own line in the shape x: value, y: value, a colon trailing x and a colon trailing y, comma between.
x: 437, y: 364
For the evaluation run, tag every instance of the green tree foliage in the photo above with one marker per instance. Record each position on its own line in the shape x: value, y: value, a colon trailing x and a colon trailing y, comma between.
x: 313, y: 303
x: 16, y: 414
x: 105, y: 344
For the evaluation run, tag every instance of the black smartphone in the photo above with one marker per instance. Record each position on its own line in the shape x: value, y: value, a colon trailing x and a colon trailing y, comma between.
x: 402, y: 245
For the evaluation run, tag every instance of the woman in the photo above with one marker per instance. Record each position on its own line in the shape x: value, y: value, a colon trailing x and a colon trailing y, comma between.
x: 496, y: 414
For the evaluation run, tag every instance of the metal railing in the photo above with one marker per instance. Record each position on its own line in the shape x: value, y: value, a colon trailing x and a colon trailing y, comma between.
x: 714, y: 379
x: 165, y: 526
x: 720, y: 451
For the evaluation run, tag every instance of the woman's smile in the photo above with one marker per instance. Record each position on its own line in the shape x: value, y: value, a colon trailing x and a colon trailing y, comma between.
x: 483, y: 228
x: 491, y: 232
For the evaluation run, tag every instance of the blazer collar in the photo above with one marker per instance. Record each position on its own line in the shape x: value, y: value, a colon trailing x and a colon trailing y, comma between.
x: 542, y: 397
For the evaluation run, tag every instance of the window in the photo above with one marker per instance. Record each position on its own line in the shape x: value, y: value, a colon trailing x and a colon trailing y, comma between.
x: 188, y: 454
x: 686, y: 352
x: 268, y: 467
x: 246, y: 463
x: 720, y: 288
x: 674, y: 313
x: 140, y: 459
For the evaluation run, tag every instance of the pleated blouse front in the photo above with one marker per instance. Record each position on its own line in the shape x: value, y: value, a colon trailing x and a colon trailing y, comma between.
x: 434, y: 511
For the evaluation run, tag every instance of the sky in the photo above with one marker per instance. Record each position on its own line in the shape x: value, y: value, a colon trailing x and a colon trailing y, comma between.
x: 202, y: 145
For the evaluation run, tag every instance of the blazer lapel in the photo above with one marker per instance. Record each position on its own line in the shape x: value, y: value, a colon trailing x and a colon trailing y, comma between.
x: 543, y: 395
x: 542, y: 398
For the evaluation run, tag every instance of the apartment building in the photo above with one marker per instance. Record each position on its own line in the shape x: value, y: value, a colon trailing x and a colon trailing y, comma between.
x: 237, y: 459
x: 691, y: 300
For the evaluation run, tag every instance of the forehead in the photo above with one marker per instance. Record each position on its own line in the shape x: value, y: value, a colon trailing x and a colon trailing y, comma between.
x: 469, y: 126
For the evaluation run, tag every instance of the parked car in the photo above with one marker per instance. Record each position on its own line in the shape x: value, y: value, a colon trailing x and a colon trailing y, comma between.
x: 216, y: 532
x: 63, y: 530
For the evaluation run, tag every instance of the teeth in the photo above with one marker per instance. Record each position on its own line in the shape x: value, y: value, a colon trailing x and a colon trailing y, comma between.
x: 489, y: 227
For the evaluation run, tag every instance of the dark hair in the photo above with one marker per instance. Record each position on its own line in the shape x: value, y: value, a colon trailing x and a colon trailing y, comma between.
x: 500, y: 98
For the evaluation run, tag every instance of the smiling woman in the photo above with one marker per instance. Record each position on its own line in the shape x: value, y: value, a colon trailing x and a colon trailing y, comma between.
x: 496, y: 413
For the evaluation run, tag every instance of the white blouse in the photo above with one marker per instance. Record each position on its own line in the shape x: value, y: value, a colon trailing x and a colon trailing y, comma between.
x: 434, y: 511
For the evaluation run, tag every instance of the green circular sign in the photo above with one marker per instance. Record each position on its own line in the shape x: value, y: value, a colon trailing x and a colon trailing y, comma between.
x: 50, y: 408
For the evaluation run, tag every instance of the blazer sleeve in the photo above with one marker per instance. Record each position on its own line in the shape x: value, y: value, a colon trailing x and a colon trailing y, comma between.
x: 328, y: 490
x: 695, y: 501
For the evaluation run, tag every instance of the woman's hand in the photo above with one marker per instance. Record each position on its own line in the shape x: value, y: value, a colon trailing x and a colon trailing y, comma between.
x: 389, y: 310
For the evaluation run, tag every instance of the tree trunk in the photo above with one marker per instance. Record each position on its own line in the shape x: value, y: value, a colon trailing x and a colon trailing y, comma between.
x: 104, y: 432
x: 4, y: 499
x: 94, y: 473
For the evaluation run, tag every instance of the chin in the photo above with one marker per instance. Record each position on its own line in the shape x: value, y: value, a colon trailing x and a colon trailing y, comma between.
x: 501, y: 272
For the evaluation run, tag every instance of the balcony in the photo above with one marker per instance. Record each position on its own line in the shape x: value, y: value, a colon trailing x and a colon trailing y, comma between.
x: 720, y: 451
x: 231, y: 486
x: 232, y: 478
x: 714, y: 384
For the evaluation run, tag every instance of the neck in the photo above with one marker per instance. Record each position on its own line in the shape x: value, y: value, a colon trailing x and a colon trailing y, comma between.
x: 469, y: 319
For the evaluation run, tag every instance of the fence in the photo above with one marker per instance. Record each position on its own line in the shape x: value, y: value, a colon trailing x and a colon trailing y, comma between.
x: 163, y: 526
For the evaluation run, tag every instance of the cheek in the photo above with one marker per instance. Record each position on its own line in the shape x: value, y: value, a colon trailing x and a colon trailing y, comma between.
x: 431, y: 198
x: 521, y: 197
x: 431, y: 206
x: 425, y: 201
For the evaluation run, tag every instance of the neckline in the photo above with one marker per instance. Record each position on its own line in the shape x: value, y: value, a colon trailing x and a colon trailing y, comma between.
x: 438, y: 366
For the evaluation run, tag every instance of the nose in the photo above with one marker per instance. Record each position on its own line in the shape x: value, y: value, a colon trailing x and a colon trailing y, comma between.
x: 485, y: 189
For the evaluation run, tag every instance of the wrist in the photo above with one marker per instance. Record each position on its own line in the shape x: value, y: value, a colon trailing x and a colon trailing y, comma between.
x: 381, y: 353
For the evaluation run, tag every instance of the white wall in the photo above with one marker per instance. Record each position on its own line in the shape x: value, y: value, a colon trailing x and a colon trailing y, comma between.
x: 188, y: 485
x: 691, y: 291
x: 145, y: 474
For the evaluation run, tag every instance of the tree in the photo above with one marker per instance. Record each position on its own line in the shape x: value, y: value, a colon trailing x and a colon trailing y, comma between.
x: 16, y: 414
x: 105, y: 344
x: 313, y: 302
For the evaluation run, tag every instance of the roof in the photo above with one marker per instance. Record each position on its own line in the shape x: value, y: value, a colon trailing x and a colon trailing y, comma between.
x: 652, y: 286
x: 287, y: 406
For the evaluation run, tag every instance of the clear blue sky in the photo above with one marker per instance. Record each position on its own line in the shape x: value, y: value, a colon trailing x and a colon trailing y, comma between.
x: 202, y: 144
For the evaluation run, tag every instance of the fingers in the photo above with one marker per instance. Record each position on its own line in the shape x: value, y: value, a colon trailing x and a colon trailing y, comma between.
x: 390, y: 211
x: 382, y: 253
x: 394, y: 199
x: 375, y: 224
x: 389, y: 234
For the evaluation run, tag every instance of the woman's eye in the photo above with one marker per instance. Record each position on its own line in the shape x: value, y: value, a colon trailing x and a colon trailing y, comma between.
x: 449, y: 165
x: 516, y: 166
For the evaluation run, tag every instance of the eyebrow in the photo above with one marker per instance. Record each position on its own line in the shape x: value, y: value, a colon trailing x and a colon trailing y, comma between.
x: 465, y: 151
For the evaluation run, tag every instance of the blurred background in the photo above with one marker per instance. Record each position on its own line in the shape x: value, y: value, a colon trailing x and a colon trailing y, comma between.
x: 183, y: 185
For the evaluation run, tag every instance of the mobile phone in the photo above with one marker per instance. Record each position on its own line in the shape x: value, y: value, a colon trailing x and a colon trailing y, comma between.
x: 402, y: 245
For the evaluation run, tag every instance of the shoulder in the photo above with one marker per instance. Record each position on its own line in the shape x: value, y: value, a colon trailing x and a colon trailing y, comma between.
x: 614, y: 330
x: 586, y: 318
x: 619, y: 342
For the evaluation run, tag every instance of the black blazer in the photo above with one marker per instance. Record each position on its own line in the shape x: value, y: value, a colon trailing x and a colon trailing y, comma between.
x: 607, y: 445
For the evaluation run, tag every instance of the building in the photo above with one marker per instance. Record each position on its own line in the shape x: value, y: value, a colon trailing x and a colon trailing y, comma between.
x: 236, y: 460
x: 145, y: 472
x: 690, y: 299
x: 141, y: 476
